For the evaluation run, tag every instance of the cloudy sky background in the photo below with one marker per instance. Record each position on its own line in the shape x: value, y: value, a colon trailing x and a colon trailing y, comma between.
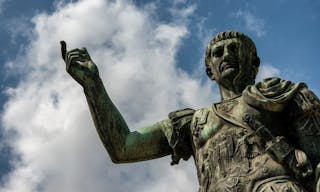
x: 150, y: 56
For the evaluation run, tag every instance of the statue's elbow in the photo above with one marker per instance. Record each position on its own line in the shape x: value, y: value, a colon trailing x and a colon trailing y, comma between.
x: 119, y: 154
x: 117, y: 158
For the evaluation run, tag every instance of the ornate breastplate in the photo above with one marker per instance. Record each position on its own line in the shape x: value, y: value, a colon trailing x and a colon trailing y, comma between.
x: 229, y: 157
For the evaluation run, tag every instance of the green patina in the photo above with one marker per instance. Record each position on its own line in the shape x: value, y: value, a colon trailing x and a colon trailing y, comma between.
x: 260, y: 137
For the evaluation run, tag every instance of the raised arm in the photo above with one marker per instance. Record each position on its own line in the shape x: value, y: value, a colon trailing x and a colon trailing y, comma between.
x: 122, y: 145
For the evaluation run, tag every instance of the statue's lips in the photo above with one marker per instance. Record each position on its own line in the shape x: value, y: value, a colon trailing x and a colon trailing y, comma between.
x: 225, y: 65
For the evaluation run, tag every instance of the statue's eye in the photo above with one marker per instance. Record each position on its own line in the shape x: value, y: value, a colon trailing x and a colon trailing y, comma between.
x: 218, y: 52
x: 233, y: 48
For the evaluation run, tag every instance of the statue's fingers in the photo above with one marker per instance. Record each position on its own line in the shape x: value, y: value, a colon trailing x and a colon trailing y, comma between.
x: 72, y: 53
x: 63, y: 49
x: 84, y: 52
x: 83, y: 49
x: 74, y: 60
x: 76, y: 57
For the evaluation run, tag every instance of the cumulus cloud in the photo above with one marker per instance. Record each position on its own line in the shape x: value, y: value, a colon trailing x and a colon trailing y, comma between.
x: 252, y: 22
x: 183, y: 14
x: 55, y: 145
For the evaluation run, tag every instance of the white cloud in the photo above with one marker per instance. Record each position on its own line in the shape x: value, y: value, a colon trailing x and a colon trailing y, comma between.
x: 267, y: 70
x: 55, y: 144
x: 183, y: 13
x: 252, y: 22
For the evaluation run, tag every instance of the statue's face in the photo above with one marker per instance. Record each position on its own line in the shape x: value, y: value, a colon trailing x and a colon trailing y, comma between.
x: 228, y: 58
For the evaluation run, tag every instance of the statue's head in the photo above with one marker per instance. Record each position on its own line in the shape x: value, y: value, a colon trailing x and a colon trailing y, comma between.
x: 232, y: 60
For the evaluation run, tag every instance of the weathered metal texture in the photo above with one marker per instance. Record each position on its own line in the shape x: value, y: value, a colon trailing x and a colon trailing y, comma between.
x: 261, y: 137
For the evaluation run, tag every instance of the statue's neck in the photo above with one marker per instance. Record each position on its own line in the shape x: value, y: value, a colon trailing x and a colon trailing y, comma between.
x: 227, y: 94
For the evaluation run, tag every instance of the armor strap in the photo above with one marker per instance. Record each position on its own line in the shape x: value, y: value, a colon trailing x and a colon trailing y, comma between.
x: 295, y: 160
x: 278, y: 147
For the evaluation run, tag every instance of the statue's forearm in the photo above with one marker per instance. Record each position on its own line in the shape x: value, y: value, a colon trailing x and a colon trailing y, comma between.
x: 109, y: 123
x: 122, y: 145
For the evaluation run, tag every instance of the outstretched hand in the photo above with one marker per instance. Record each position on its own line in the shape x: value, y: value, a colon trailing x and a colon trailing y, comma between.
x: 79, y: 64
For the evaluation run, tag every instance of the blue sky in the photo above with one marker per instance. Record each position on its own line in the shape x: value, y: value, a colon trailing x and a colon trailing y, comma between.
x: 141, y: 48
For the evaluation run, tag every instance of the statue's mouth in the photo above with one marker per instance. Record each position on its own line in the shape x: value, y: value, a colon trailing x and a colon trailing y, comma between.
x: 227, y: 65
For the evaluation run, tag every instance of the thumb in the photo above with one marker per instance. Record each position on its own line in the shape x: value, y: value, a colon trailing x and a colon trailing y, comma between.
x: 63, y: 49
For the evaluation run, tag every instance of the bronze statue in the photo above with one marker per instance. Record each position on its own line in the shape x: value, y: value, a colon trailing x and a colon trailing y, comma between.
x: 262, y: 137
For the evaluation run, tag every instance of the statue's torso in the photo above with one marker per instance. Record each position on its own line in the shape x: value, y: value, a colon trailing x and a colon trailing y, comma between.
x: 228, y: 156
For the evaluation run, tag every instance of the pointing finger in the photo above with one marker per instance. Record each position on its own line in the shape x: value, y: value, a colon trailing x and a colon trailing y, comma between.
x: 63, y: 49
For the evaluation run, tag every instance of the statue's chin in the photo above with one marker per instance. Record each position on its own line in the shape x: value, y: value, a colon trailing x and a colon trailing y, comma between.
x: 231, y: 80
x: 229, y: 74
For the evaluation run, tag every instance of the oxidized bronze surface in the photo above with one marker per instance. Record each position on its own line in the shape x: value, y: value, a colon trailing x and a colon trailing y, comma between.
x: 262, y: 137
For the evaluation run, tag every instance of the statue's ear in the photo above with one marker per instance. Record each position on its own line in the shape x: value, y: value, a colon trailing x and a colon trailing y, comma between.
x: 209, y: 73
x: 256, y: 61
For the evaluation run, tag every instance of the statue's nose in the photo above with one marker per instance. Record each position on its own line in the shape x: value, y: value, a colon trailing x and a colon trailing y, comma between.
x: 227, y: 54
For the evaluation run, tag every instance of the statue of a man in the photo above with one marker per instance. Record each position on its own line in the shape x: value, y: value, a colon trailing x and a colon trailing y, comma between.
x: 261, y: 137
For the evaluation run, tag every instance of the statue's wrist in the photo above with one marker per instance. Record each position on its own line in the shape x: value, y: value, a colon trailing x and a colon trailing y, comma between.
x: 94, y: 82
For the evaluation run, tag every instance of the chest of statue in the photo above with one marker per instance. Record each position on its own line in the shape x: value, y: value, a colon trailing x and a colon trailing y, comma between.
x: 208, y: 122
x: 228, y: 155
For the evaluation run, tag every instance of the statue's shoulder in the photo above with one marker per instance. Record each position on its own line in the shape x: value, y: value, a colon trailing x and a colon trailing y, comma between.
x: 202, y: 114
x: 271, y: 93
x: 181, y: 118
x: 179, y: 136
x: 178, y: 114
x: 273, y: 84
